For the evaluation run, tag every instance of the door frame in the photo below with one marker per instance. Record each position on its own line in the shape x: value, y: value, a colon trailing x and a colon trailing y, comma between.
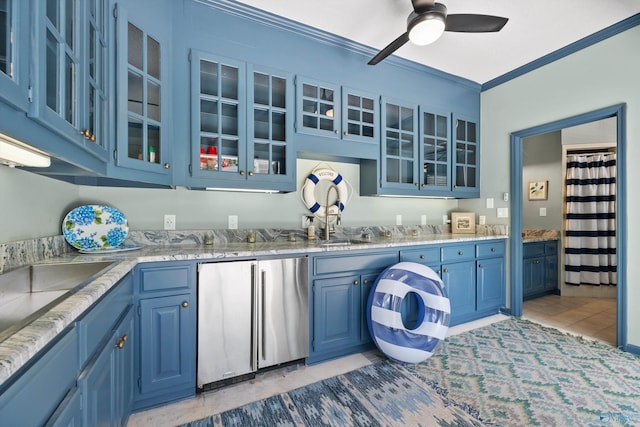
x: 619, y: 112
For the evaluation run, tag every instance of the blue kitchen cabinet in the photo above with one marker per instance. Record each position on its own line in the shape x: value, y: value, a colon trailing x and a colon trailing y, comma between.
x: 143, y: 138
x: 14, y: 53
x: 318, y: 108
x: 460, y: 283
x: 360, y: 116
x: 166, y: 343
x: 466, y: 156
x: 35, y: 394
x: 340, y: 291
x: 241, y: 125
x: 539, y: 268
x: 104, y: 384
x: 69, y: 413
x: 435, y: 153
x: 336, y: 304
x: 490, y: 274
x: 71, y: 73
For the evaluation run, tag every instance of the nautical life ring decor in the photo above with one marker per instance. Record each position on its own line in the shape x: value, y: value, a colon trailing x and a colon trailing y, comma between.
x: 309, y: 187
x: 384, y: 317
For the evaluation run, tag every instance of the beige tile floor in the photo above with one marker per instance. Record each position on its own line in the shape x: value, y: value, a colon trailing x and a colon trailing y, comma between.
x: 588, y: 317
x: 265, y: 385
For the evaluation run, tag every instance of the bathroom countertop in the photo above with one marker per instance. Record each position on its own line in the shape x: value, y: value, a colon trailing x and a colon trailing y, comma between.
x: 534, y: 235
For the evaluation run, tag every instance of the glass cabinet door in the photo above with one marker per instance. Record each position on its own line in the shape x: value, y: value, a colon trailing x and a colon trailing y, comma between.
x: 436, y: 153
x: 218, y: 116
x: 399, y: 148
x: 466, y: 156
x: 6, y: 42
x: 268, y: 113
x: 360, y: 116
x: 14, y: 53
x: 318, y: 108
x: 96, y: 83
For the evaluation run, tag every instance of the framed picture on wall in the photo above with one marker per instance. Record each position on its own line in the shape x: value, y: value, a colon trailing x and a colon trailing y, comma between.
x: 463, y: 222
x: 538, y: 190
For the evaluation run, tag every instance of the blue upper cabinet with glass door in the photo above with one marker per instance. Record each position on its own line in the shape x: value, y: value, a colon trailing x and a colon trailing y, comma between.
x: 399, y: 147
x: 14, y: 53
x: 241, y: 125
x: 360, y: 111
x: 435, y: 151
x: 318, y: 108
x: 142, y: 113
x: 70, y: 84
x: 466, y: 157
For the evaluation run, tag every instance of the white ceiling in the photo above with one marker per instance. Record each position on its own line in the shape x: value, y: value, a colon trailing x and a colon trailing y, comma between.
x: 535, y: 28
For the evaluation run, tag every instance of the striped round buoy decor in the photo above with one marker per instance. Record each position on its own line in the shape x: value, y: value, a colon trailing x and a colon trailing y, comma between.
x: 384, y: 317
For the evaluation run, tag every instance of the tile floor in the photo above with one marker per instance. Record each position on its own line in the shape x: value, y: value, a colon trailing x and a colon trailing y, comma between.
x: 265, y: 385
x: 588, y: 317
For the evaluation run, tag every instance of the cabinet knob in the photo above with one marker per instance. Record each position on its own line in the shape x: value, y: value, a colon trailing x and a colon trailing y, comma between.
x: 185, y: 304
x: 439, y: 272
x: 480, y: 266
x: 416, y: 184
x: 167, y: 166
x: 493, y: 249
x: 446, y: 270
x: 422, y: 256
x: 365, y: 281
x: 86, y: 133
x: 250, y: 173
x: 460, y: 253
x: 337, y: 131
x: 93, y: 137
x: 120, y: 344
x: 241, y: 173
x: 355, y: 283
x: 346, y: 133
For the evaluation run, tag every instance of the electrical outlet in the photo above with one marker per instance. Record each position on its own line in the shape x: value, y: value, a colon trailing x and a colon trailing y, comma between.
x: 482, y: 220
x: 398, y: 219
x: 233, y: 222
x: 445, y: 219
x: 423, y: 220
x: 169, y: 222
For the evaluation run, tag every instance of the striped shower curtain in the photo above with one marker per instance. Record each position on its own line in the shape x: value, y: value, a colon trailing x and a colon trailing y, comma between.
x: 590, y: 222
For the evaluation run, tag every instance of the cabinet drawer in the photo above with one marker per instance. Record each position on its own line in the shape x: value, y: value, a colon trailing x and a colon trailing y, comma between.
x: 423, y: 256
x: 458, y: 253
x: 340, y: 263
x: 534, y: 249
x: 165, y: 277
x: 100, y: 320
x: 489, y: 250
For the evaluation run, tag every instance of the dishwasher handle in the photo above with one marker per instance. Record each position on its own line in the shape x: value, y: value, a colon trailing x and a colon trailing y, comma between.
x: 263, y: 315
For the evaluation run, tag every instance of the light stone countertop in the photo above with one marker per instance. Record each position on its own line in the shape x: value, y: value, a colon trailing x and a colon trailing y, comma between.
x: 18, y: 348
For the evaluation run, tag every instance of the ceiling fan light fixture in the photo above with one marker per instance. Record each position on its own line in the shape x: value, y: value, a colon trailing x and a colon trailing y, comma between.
x: 425, y: 28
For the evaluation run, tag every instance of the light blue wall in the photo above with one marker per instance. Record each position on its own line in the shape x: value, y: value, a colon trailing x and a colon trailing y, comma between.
x: 601, y: 75
x: 34, y: 206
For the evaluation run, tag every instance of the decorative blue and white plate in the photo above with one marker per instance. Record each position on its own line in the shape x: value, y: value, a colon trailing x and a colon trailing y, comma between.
x: 95, y: 227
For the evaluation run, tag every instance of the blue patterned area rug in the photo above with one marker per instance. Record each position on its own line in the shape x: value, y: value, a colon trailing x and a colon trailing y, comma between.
x: 511, y: 373
x: 519, y: 373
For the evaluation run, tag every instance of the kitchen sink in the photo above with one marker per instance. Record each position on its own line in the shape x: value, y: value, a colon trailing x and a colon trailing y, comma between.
x: 29, y: 291
x: 337, y: 242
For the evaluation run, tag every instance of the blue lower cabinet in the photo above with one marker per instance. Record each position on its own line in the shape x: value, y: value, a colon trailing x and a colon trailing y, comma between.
x: 368, y: 280
x: 106, y: 381
x: 539, y: 268
x: 460, y: 282
x: 35, y: 395
x: 336, y: 307
x: 167, y: 348
x: 490, y: 274
x: 69, y: 413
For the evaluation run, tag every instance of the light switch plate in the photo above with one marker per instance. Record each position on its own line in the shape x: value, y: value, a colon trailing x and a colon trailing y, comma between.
x: 398, y: 219
x: 482, y: 220
x: 543, y: 211
x: 233, y: 222
x: 503, y: 212
x: 490, y: 203
x: 423, y: 220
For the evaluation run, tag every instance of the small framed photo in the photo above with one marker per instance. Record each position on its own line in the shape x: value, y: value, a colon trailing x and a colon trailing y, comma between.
x: 538, y: 190
x: 463, y: 222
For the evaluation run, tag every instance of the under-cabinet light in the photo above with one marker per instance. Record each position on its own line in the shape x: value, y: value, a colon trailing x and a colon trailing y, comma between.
x: 241, y: 190
x: 15, y: 153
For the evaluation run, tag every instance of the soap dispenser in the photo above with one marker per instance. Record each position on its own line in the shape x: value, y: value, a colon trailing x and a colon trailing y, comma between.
x: 311, y: 229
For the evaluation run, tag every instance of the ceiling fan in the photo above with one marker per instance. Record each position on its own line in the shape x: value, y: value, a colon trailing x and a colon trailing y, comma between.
x: 429, y: 20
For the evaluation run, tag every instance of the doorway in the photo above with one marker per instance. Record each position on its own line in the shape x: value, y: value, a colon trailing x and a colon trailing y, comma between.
x: 517, y: 139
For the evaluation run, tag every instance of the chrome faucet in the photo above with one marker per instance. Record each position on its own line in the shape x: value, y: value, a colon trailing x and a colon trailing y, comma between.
x: 327, y: 228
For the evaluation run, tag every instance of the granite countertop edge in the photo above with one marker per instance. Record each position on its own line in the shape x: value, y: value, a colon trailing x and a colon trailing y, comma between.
x: 19, y: 348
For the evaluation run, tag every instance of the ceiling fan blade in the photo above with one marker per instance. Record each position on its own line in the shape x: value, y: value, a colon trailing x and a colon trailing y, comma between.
x: 422, y: 5
x: 471, y: 23
x: 392, y: 47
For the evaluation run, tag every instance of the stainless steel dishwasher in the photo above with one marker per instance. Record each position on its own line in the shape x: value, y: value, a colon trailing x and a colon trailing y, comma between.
x: 251, y: 315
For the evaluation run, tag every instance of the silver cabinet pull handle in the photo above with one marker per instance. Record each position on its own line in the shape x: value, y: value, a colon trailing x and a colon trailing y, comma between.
x: 264, y: 306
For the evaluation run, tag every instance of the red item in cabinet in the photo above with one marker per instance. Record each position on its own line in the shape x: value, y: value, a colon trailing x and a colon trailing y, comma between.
x: 212, y: 158
x: 203, y: 159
